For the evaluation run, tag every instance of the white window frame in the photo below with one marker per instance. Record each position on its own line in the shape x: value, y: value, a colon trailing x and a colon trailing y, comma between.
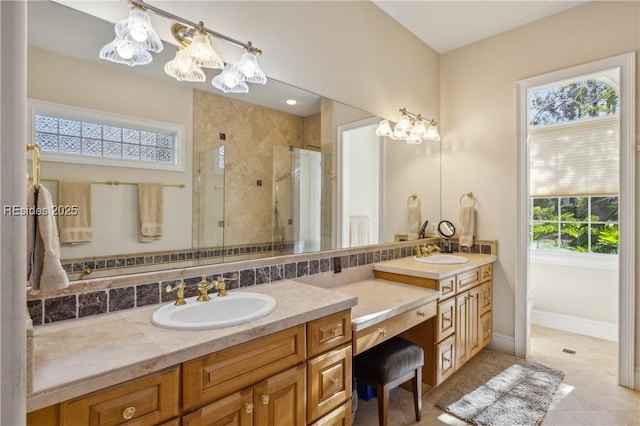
x: 84, y: 114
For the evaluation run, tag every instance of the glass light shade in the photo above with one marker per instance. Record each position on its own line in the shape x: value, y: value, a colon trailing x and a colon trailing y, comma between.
x: 201, y: 52
x: 398, y: 134
x: 419, y: 128
x: 124, y: 52
x: 249, y: 70
x: 432, y: 134
x: 229, y: 81
x: 138, y: 30
x: 182, y: 69
x: 414, y: 138
x: 384, y: 129
x: 404, y: 123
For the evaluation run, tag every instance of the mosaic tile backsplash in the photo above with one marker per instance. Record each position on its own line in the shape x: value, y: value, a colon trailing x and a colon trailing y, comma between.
x: 58, y: 307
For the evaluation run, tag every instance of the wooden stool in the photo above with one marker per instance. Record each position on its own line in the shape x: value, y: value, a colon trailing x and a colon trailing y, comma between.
x: 388, y: 365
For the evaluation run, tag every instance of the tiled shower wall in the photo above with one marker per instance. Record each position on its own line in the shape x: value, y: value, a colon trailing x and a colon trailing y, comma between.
x: 107, y: 295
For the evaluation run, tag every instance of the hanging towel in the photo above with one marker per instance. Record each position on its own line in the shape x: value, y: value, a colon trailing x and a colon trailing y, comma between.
x: 74, y: 228
x: 359, y: 230
x: 45, y: 270
x: 413, y: 218
x: 467, y: 225
x: 149, y: 212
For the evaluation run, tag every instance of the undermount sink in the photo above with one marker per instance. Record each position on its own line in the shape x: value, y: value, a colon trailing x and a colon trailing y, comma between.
x: 219, y: 312
x: 441, y: 259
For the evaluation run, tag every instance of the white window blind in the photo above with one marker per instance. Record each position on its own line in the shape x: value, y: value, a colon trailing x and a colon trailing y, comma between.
x: 577, y: 158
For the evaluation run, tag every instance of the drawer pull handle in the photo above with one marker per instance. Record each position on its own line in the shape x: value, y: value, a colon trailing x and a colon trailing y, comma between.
x: 265, y: 399
x: 382, y: 331
x: 335, y: 332
x: 129, y: 412
x: 446, y: 288
x: 447, y: 360
x: 335, y: 383
x: 446, y: 318
x: 421, y: 314
x: 248, y: 408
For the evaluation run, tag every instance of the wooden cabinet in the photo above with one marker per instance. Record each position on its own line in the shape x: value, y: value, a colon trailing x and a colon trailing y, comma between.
x: 263, y: 382
x: 150, y: 400
x: 462, y: 325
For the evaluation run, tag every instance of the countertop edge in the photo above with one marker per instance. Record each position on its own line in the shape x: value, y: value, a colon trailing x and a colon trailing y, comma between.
x: 422, y: 270
x: 358, y: 326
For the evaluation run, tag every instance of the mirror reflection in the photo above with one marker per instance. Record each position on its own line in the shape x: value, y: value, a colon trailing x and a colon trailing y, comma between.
x: 261, y: 177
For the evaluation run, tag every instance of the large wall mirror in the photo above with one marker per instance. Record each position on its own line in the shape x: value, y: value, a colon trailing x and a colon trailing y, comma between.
x: 258, y: 177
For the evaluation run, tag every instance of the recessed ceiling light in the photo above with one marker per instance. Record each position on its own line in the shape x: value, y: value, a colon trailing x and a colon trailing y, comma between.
x: 291, y: 102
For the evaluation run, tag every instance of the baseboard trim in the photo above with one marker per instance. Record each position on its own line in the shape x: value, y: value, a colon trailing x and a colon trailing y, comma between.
x: 587, y: 327
x: 503, y: 343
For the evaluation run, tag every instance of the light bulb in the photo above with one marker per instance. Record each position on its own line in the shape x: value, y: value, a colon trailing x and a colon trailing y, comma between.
x: 125, y: 50
x: 248, y: 69
x: 201, y: 52
x: 384, y: 129
x: 137, y: 28
x: 404, y: 123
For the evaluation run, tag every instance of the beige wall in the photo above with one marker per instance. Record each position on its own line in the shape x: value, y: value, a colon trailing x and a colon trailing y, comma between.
x: 478, y: 108
x: 113, y: 89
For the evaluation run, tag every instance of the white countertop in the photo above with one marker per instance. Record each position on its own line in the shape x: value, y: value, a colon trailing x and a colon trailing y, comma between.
x: 408, y: 266
x: 382, y: 299
x: 73, y: 358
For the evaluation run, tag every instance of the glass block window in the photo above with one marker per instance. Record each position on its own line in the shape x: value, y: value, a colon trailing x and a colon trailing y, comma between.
x: 66, y: 133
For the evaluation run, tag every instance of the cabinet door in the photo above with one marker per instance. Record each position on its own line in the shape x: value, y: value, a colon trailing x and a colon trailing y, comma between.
x: 485, y: 297
x: 461, y: 336
x: 485, y: 329
x: 445, y: 357
x: 234, y: 410
x: 280, y: 399
x: 473, y: 319
x: 329, y: 382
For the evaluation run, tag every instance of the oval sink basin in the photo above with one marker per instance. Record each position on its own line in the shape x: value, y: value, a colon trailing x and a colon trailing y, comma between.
x: 219, y: 312
x: 441, y: 259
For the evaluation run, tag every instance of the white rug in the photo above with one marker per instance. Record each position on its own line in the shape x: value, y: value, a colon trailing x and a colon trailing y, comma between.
x: 502, y: 390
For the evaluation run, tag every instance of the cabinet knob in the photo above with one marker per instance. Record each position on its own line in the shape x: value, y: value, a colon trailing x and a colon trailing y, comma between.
x: 382, y: 331
x: 129, y: 412
x: 248, y: 408
x: 335, y: 383
x: 335, y: 332
x: 265, y: 399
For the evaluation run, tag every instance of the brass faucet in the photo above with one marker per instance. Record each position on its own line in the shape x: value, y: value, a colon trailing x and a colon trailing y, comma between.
x: 179, y: 289
x: 426, y: 250
x: 203, y: 288
x: 86, y: 271
x: 219, y: 284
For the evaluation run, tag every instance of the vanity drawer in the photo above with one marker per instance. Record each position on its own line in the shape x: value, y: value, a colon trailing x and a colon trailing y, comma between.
x: 328, y: 332
x: 146, y: 401
x: 445, y: 356
x: 328, y: 382
x: 214, y: 376
x: 447, y: 287
x: 467, y: 279
x: 446, y: 319
x: 338, y: 417
x: 486, y: 272
x: 378, y: 333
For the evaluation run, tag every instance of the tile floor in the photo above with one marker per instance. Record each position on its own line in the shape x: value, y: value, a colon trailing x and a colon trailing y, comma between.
x: 588, y: 394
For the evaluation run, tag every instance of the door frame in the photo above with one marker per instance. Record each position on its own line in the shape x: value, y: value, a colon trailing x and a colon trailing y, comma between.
x: 626, y: 209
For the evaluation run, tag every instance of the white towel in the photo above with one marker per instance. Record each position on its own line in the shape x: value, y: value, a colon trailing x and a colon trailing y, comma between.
x: 150, y: 215
x: 467, y: 225
x: 359, y: 230
x: 45, y: 270
x: 74, y: 228
x: 413, y: 218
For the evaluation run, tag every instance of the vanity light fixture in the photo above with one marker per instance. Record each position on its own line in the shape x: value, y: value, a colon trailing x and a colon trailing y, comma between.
x: 410, y: 127
x: 136, y: 38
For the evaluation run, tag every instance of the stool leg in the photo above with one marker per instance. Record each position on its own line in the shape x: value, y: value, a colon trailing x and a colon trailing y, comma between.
x: 383, y: 404
x: 417, y: 392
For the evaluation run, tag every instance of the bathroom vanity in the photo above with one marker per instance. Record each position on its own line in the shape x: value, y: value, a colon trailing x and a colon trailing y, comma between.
x: 462, y: 324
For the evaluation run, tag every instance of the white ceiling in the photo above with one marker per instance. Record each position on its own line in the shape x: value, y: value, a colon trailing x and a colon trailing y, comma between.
x: 448, y: 24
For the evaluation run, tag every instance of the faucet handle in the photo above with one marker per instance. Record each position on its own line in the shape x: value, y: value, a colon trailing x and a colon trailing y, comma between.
x: 179, y: 289
x: 221, y: 284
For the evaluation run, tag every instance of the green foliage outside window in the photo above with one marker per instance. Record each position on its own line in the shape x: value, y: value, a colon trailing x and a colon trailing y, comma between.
x: 585, y: 224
